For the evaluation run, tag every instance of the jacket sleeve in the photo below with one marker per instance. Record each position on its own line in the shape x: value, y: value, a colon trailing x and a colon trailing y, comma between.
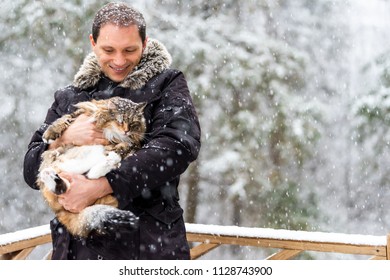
x: 173, y: 142
x: 36, y: 147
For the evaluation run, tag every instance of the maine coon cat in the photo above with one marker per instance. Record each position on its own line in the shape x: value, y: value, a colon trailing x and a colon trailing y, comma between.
x: 123, y: 125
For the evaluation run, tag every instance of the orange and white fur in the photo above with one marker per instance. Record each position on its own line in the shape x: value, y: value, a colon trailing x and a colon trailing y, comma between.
x: 123, y: 124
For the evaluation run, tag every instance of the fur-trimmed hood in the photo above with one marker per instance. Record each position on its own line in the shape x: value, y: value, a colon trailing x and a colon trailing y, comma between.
x: 154, y: 60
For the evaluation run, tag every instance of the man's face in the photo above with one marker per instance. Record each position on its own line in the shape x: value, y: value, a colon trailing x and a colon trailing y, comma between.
x: 118, y: 50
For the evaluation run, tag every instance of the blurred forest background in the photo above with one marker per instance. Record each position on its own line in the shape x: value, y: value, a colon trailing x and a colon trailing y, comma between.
x: 293, y: 99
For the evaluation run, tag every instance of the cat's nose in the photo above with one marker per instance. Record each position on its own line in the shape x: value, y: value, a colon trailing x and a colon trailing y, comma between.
x: 125, y: 127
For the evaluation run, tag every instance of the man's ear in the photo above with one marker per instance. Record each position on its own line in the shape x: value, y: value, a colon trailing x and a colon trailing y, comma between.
x: 144, y: 43
x: 93, y: 43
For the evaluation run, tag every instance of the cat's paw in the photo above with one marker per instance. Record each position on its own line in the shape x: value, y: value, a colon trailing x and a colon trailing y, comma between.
x: 48, y: 176
x: 52, y: 181
x: 111, y: 161
x: 47, y: 141
x: 117, y: 219
x: 123, y: 148
x: 56, y: 129
x: 49, y: 136
x: 104, y: 219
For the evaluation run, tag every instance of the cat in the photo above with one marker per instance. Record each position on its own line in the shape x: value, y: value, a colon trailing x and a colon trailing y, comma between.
x: 123, y: 125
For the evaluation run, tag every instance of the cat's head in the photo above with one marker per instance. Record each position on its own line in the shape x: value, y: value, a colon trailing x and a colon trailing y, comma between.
x: 121, y: 120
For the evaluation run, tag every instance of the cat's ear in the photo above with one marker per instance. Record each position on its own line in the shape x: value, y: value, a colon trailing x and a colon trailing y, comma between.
x: 141, y: 106
x: 86, y: 106
x: 111, y: 105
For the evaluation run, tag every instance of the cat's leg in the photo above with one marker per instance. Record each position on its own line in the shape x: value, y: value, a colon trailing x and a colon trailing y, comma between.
x: 50, y: 197
x: 108, y: 200
x: 122, y: 149
x: 56, y: 129
x: 49, y: 156
x: 101, y: 219
x: 49, y: 177
x: 110, y: 162
x: 73, y: 223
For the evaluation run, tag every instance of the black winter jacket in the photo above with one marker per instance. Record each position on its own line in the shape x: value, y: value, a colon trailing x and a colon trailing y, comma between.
x: 147, y: 182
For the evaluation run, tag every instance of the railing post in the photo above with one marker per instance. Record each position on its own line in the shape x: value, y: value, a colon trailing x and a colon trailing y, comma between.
x: 388, y: 247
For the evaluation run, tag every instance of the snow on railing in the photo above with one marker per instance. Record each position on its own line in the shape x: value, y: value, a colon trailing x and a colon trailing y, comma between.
x: 291, y: 242
x: 19, y: 244
x: 25, y: 234
x: 268, y: 233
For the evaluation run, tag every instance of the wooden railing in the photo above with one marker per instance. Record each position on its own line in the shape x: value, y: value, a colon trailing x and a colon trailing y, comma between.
x: 19, y: 244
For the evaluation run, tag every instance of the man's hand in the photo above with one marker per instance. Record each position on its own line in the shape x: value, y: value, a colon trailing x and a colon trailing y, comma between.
x: 81, y: 132
x: 82, y: 192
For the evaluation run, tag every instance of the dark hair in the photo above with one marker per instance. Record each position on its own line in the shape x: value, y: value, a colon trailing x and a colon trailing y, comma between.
x: 119, y: 14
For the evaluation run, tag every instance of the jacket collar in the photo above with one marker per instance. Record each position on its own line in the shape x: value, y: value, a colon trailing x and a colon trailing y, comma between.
x: 154, y: 60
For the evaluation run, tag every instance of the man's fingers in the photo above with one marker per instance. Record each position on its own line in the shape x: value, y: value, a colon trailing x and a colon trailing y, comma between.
x: 65, y: 176
x: 102, y: 141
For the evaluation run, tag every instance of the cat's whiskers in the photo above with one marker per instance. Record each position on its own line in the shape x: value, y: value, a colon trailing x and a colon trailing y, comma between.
x: 139, y: 134
x: 115, y: 135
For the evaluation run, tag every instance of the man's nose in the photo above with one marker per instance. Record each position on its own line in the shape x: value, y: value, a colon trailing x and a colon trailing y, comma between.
x: 119, y: 60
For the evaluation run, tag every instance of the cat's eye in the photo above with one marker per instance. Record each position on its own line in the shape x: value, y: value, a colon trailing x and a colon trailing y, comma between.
x: 135, y: 126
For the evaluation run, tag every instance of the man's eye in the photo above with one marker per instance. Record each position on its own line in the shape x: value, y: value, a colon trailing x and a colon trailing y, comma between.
x: 108, y: 51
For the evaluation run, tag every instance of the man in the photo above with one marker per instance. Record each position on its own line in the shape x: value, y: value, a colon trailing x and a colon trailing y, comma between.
x: 125, y: 63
